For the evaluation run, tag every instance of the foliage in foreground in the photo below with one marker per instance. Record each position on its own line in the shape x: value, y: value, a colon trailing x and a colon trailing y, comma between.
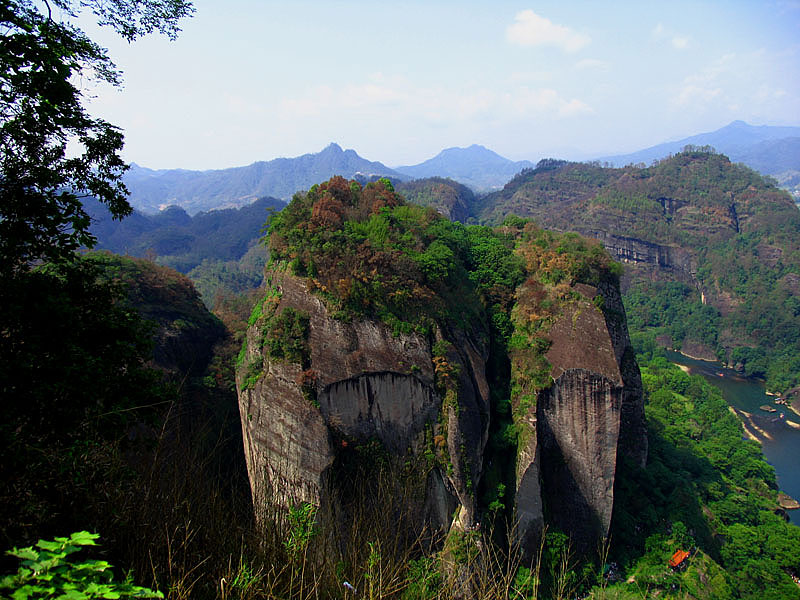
x: 48, y: 570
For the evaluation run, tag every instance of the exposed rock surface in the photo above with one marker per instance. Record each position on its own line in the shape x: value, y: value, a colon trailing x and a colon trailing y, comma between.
x: 315, y: 385
x: 786, y: 502
x: 663, y: 261
x: 369, y: 384
x: 590, y: 416
x: 697, y: 350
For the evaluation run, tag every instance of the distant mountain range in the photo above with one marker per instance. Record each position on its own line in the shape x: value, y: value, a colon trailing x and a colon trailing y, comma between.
x: 195, y: 191
x: 181, y: 241
x: 769, y: 150
x: 476, y: 167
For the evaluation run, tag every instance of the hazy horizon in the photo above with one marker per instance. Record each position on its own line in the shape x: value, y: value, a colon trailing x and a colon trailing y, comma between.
x: 253, y: 81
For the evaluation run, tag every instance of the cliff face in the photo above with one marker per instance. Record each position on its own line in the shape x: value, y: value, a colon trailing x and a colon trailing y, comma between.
x: 576, y: 392
x: 374, y: 335
x: 589, y: 416
x: 656, y: 261
x: 361, y: 382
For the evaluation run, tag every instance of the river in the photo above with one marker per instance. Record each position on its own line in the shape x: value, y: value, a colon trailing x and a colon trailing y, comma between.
x: 778, y: 432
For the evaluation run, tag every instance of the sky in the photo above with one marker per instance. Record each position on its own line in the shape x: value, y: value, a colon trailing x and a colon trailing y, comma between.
x: 250, y: 80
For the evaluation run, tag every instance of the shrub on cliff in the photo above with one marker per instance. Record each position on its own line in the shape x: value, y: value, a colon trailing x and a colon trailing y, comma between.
x: 367, y: 252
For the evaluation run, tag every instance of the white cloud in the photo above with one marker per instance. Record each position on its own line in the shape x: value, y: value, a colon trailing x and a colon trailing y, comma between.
x: 399, y: 99
x: 680, y: 42
x: 528, y: 103
x: 574, y: 108
x: 591, y: 64
x: 530, y: 29
x: 675, y: 38
x: 692, y: 94
x: 518, y: 77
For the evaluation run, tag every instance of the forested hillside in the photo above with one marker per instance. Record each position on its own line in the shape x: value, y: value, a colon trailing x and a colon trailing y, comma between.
x: 450, y: 198
x: 712, y: 251
x: 218, y: 250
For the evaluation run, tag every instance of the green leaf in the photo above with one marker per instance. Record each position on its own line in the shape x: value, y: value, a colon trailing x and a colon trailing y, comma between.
x: 25, y: 553
x: 67, y: 581
x: 84, y: 538
x: 73, y: 595
x: 52, y: 546
x: 97, y: 566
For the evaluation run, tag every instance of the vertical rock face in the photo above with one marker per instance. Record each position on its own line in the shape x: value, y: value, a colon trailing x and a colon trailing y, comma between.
x: 326, y: 384
x: 361, y: 383
x: 590, y: 416
x: 579, y: 423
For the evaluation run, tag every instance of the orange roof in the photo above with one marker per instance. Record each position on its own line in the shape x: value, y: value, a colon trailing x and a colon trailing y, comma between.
x: 678, y: 558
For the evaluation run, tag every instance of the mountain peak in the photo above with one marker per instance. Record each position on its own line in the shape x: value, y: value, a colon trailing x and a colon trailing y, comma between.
x: 737, y: 140
x: 333, y: 147
x: 475, y: 166
x: 472, y: 149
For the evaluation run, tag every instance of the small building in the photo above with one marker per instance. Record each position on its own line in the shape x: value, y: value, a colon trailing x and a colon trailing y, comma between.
x: 678, y: 559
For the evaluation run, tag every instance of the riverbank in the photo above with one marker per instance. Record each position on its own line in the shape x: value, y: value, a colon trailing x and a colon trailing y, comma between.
x: 751, y: 430
x: 682, y: 353
x: 786, y: 502
x: 777, y: 433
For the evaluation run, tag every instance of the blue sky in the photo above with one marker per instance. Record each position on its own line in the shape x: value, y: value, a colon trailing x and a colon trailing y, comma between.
x: 400, y: 81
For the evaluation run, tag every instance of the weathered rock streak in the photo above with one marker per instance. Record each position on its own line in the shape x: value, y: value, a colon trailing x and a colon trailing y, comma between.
x: 590, y: 416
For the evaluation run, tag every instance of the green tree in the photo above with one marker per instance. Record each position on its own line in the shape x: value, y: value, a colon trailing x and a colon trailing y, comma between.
x: 41, y: 112
x: 72, y: 352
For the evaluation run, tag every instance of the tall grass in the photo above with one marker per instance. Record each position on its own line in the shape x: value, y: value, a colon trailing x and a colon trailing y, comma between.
x: 191, y: 537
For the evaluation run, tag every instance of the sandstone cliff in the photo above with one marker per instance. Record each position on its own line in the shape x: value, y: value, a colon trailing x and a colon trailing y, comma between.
x: 375, y: 332
x: 590, y: 415
x: 576, y: 391
x: 361, y: 382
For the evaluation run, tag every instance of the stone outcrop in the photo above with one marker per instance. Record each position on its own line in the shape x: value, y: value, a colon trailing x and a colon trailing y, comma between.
x: 662, y: 262
x: 585, y: 421
x: 363, y: 382
x: 427, y: 397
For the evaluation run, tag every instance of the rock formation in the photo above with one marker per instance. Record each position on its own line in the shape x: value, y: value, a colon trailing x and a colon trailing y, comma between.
x: 374, y: 330
x: 590, y: 415
x: 362, y: 382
